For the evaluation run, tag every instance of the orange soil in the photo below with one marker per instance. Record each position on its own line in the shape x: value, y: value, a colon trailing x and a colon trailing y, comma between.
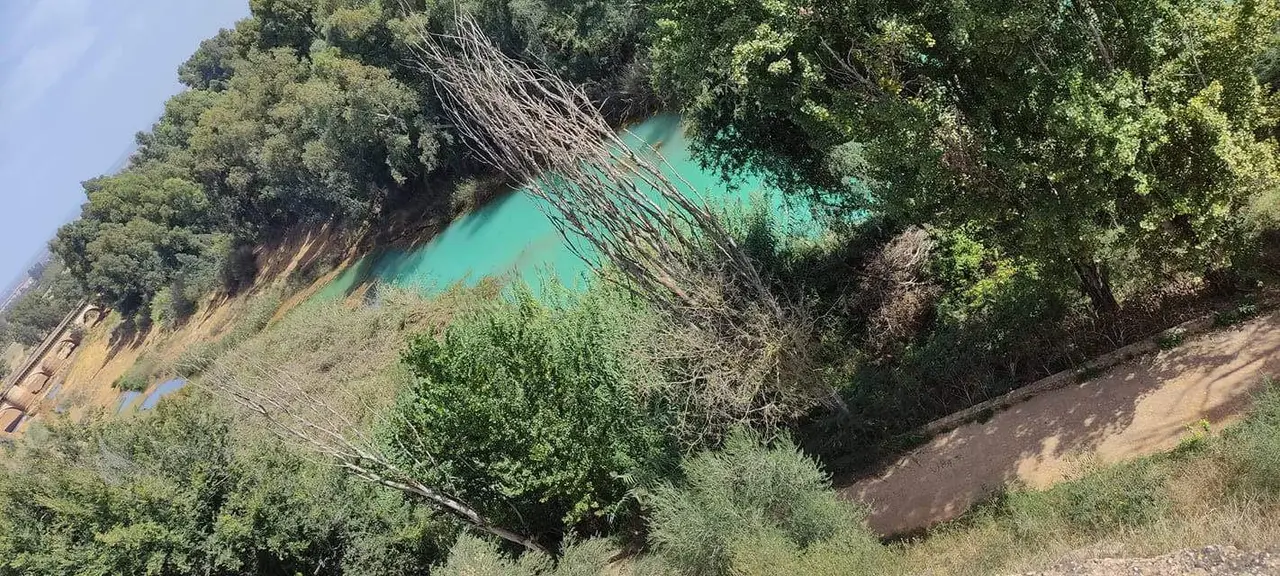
x: 1138, y: 408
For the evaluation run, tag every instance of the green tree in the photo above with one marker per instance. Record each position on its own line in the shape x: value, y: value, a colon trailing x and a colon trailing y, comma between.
x: 1076, y: 134
x: 177, y: 492
x: 532, y: 413
x: 213, y: 64
x: 293, y: 140
x: 31, y: 318
x: 140, y: 230
x: 170, y: 138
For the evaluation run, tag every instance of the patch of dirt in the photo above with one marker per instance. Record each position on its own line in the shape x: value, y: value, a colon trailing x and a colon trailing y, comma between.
x: 1138, y: 408
x: 1208, y: 561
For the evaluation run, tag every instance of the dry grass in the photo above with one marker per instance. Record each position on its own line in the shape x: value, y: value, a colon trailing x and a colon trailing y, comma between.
x: 334, y: 347
x: 1204, y: 507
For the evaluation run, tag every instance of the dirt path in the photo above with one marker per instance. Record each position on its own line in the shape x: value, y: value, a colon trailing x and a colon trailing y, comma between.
x: 1137, y: 408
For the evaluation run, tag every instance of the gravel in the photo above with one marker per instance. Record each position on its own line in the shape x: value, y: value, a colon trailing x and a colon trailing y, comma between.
x: 1208, y: 561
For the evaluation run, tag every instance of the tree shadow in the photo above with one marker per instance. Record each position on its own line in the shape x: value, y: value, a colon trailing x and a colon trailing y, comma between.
x: 128, y: 334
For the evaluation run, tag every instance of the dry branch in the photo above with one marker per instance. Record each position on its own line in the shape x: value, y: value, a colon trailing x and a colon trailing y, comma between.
x: 309, y: 419
x: 742, y: 355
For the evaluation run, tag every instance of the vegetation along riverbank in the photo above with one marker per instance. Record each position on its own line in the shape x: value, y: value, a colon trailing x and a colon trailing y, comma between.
x: 991, y: 192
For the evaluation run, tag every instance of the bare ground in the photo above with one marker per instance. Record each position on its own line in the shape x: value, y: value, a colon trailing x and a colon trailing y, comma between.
x: 1138, y: 408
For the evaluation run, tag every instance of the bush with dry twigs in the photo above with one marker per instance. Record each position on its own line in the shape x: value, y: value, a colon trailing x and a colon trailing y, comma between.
x: 738, y: 354
x: 324, y: 376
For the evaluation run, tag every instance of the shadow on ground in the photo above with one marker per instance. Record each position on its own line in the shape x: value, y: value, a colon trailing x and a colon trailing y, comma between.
x: 1138, y: 408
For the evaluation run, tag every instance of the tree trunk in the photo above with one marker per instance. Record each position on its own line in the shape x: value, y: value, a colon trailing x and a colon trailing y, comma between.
x: 1095, y: 282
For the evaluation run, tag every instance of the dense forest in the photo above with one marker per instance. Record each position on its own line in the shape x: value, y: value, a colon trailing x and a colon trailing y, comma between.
x: 307, y: 113
x: 1006, y: 189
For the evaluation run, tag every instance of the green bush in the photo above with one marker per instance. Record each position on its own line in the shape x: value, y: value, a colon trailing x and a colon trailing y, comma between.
x: 744, y: 498
x: 131, y: 382
x: 530, y: 411
x: 178, y: 490
x: 138, y: 378
x: 1235, y: 315
x: 1171, y: 339
x: 852, y: 552
x: 472, y: 556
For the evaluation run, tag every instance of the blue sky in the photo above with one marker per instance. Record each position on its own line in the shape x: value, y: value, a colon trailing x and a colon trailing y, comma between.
x: 77, y: 79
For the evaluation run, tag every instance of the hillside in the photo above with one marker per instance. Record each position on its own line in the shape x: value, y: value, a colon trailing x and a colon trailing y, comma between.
x: 388, y: 291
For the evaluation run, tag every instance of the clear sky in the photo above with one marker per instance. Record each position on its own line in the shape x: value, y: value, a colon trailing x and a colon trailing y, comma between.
x: 77, y: 79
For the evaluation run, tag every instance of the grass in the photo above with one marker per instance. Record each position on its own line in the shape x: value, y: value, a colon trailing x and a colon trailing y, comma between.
x: 257, y: 316
x: 1222, y: 490
x: 328, y: 347
x: 1210, y: 490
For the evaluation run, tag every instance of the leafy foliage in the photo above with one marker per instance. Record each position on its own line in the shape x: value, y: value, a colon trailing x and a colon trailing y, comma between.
x: 531, y: 411
x: 743, y: 495
x: 32, y: 317
x: 174, y: 493
x: 471, y: 555
x: 1074, y: 136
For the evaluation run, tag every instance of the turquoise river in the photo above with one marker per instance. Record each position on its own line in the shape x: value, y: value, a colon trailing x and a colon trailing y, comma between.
x: 512, y: 235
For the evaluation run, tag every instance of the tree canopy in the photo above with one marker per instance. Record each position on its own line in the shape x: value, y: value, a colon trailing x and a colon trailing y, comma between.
x: 1077, y: 134
x: 305, y: 112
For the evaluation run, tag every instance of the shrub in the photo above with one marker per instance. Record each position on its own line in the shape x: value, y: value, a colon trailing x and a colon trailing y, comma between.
x: 170, y: 306
x: 472, y: 556
x: 131, y: 382
x: 1171, y: 339
x: 531, y: 410
x: 849, y: 553
x: 744, y: 498
x: 239, y: 269
x: 138, y: 378
x: 1235, y: 315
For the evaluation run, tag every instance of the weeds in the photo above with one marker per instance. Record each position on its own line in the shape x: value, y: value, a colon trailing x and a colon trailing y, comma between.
x: 1235, y: 315
x: 1170, y: 339
x: 1197, y: 438
x: 138, y: 378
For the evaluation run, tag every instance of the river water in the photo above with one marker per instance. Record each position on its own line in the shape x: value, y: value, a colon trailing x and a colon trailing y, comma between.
x: 512, y: 235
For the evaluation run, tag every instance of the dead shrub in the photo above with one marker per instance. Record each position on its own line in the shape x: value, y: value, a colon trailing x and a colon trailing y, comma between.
x: 737, y: 353
x: 894, y: 295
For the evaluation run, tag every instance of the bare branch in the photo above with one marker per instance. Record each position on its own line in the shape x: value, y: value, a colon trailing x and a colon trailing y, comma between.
x: 743, y: 355
x: 310, y: 419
